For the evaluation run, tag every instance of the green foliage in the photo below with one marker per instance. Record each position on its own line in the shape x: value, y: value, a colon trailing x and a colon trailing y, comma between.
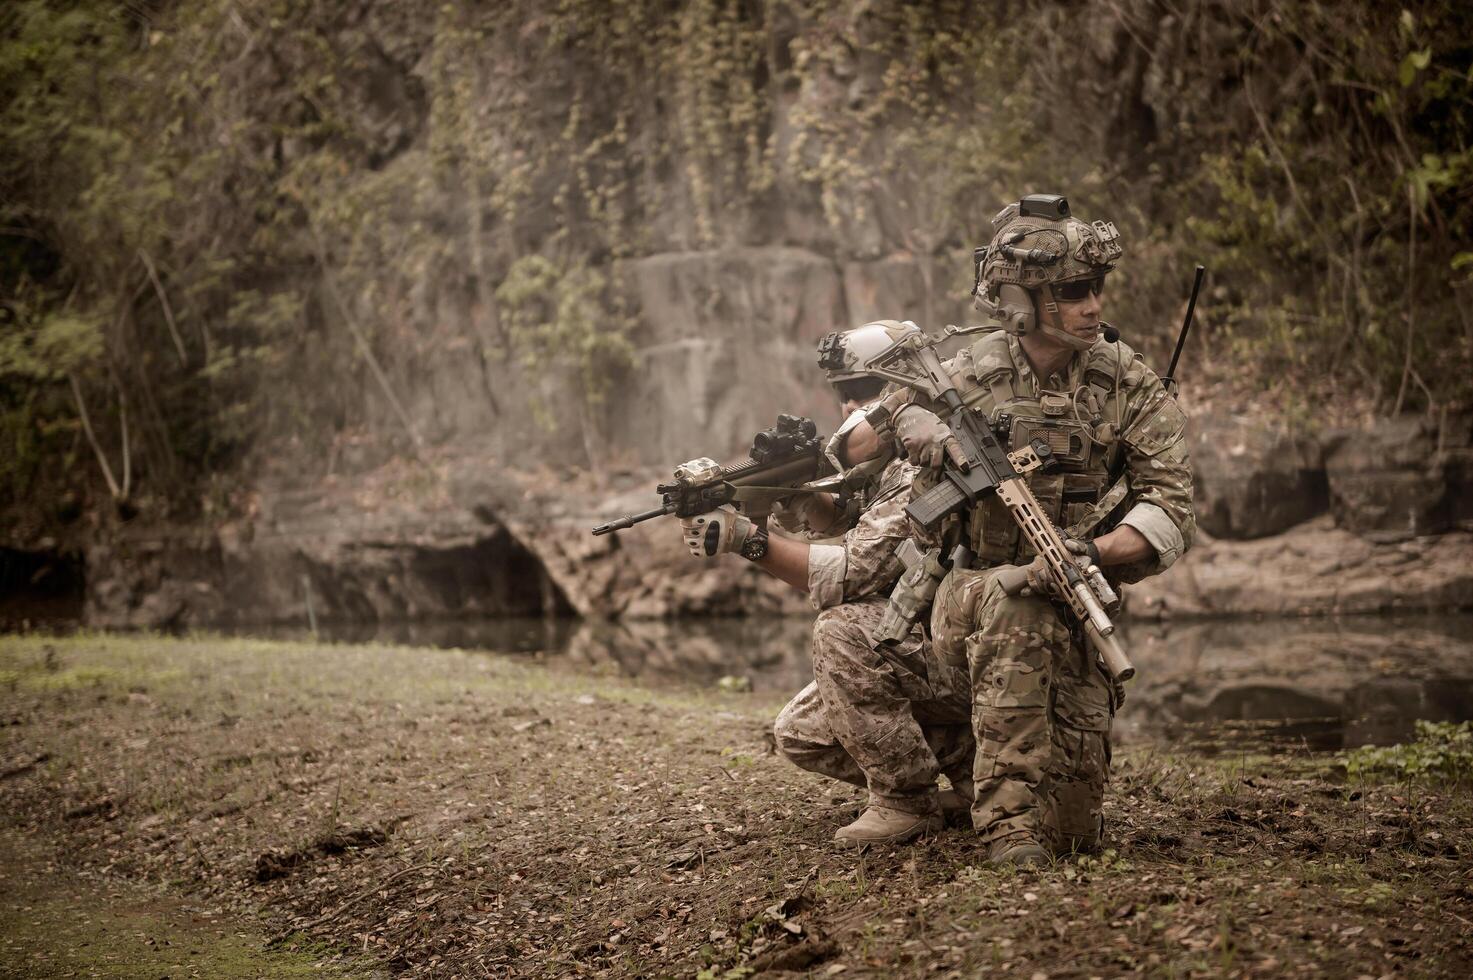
x: 910, y: 125
x: 63, y: 344
x: 180, y: 177
x: 561, y: 318
x: 1340, y: 214
x: 39, y: 355
x: 1442, y: 753
x: 109, y: 175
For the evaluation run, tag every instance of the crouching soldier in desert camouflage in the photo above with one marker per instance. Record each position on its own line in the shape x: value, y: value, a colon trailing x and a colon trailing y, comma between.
x: 1122, y: 496
x: 892, y: 722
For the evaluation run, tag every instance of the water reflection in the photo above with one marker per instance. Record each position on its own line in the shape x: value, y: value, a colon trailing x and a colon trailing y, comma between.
x: 1316, y: 684
x: 1320, y: 683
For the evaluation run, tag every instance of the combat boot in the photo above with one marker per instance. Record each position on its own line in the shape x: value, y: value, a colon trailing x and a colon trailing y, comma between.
x: 956, y: 803
x: 1017, y: 852
x: 884, y: 825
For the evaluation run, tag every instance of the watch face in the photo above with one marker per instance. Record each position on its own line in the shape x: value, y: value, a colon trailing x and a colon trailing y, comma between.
x: 755, y: 548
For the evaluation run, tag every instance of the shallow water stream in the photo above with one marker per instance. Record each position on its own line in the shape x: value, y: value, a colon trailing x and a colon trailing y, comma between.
x: 1316, y: 684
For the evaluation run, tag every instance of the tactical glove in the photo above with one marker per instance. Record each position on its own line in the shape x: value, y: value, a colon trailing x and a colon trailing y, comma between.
x: 1084, y: 553
x: 720, y: 532
x: 926, y: 438
x: 1087, y: 550
x: 1040, y: 583
x: 881, y: 414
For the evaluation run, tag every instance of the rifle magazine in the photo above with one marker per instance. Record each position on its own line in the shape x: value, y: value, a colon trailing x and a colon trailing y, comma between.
x: 929, y: 508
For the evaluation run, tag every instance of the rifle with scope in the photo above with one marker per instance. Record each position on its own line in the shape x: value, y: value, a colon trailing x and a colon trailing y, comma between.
x: 783, y: 459
x: 990, y: 469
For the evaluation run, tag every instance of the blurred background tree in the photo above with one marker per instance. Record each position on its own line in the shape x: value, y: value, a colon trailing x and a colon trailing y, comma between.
x: 181, y: 182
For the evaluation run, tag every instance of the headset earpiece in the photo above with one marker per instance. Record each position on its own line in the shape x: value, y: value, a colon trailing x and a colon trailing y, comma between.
x: 1015, y: 309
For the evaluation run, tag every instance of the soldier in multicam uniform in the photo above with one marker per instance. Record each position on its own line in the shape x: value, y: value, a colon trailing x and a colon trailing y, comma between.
x: 1042, y: 705
x: 892, y: 722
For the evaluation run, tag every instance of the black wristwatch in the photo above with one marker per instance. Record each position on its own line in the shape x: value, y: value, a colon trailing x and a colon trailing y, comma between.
x: 755, y: 547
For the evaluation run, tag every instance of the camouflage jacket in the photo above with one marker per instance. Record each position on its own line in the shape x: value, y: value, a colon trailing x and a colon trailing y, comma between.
x: 864, y: 562
x: 1109, y: 421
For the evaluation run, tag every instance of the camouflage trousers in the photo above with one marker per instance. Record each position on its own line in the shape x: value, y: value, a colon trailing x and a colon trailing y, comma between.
x: 892, y: 722
x: 1041, y: 712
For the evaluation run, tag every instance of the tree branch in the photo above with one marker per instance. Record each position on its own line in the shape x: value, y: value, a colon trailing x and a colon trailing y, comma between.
x: 158, y: 288
x: 378, y: 372
x: 1406, y: 369
x: 107, y: 471
x: 127, y: 452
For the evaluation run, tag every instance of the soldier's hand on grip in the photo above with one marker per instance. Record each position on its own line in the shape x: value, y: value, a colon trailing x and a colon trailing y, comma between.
x: 1040, y: 582
x: 722, y: 531
x: 1086, y: 550
x: 926, y: 439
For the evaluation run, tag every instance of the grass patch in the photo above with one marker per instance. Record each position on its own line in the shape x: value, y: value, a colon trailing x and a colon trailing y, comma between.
x: 37, y: 664
x: 1442, y: 752
x: 54, y: 925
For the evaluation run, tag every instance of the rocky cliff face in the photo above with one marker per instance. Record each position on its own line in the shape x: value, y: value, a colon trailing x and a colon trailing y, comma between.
x: 469, y: 279
x: 462, y: 536
x: 1394, y: 480
x: 726, y: 339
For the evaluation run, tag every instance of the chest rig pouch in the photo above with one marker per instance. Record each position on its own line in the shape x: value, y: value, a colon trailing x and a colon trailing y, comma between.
x: 1068, y: 438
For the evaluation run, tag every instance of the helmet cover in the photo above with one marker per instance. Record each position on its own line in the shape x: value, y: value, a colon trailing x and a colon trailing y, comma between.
x: 1033, y: 245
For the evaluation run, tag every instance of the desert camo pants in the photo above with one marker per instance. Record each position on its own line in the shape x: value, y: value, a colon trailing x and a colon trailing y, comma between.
x: 1041, y: 714
x: 892, y: 722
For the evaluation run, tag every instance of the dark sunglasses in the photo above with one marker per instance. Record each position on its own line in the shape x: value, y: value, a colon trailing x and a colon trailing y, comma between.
x: 1073, y: 292
x: 858, y: 389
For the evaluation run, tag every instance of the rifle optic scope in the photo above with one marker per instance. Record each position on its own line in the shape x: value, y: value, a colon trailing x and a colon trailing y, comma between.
x: 791, y: 435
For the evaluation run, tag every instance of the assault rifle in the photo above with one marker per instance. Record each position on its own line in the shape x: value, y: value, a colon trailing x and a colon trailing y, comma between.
x: 782, y: 460
x: 990, y: 469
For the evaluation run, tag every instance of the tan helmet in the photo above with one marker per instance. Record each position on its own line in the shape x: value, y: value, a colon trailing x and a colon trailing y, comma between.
x: 844, y: 353
x: 1036, y: 242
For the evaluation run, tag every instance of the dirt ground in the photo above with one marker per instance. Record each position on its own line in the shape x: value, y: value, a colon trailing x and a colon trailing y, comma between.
x: 444, y: 813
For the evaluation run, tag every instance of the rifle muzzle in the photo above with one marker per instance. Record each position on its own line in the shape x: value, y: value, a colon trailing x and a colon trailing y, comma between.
x: 629, y: 520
